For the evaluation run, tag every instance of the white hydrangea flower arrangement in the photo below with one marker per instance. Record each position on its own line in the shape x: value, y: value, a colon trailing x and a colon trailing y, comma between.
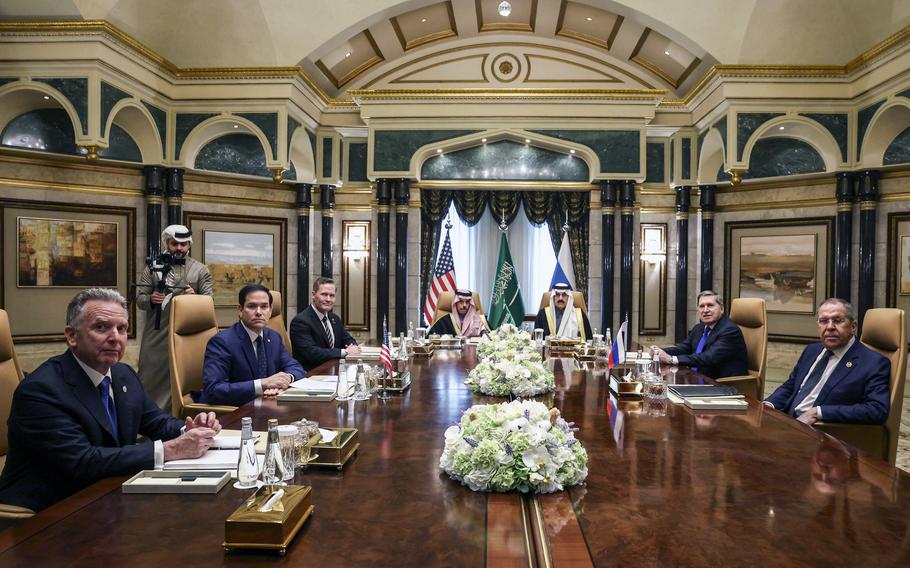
x: 521, y: 374
x: 520, y: 445
x: 505, y: 338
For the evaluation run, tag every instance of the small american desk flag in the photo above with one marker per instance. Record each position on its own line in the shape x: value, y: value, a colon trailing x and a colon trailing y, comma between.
x: 443, y: 279
x: 385, y: 355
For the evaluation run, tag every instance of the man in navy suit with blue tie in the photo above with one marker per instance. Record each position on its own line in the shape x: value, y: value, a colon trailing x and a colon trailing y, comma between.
x: 839, y: 379
x: 714, y: 347
x: 75, y: 419
x: 247, y: 359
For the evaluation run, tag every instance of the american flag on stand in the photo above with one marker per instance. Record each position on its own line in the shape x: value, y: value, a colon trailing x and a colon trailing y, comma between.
x: 385, y: 355
x: 443, y: 279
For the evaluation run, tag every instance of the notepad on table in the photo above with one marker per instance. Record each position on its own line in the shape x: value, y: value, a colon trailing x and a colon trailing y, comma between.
x: 316, y: 384
x: 215, y: 460
x: 706, y: 391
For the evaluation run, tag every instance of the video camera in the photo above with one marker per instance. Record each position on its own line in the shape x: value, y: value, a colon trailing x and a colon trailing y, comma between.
x: 161, y: 266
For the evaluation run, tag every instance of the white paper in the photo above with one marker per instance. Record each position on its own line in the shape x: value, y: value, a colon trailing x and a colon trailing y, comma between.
x: 217, y: 460
x: 318, y: 383
x: 327, y: 435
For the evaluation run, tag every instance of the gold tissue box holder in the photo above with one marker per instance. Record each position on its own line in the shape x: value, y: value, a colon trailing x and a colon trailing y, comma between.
x: 400, y: 381
x: 425, y: 350
x: 248, y: 528
x: 456, y: 342
x: 557, y: 345
x: 625, y: 388
x: 337, y: 452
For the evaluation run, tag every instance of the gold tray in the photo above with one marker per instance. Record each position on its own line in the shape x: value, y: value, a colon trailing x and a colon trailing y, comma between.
x: 248, y: 528
x: 399, y: 383
x: 337, y: 452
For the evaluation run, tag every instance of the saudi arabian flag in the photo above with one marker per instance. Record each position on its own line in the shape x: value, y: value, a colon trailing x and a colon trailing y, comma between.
x: 506, y: 306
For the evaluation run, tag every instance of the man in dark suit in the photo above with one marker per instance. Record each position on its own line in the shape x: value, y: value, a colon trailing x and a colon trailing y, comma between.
x: 317, y: 334
x: 715, y: 346
x: 247, y: 359
x: 839, y: 379
x: 75, y: 419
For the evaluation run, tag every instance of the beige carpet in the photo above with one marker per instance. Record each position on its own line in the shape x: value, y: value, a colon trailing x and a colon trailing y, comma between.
x: 776, y: 376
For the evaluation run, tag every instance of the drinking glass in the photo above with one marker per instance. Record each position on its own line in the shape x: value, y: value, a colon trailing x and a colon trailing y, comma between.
x: 286, y: 441
x: 343, y: 391
x: 302, y: 441
x: 421, y: 335
x: 362, y: 383
x: 538, y: 336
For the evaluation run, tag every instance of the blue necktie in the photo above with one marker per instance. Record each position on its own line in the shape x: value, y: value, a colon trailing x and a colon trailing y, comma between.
x: 810, y: 383
x: 108, y: 402
x: 260, y: 358
x: 701, y: 343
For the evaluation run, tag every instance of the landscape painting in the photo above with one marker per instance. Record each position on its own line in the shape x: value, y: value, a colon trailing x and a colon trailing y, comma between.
x: 780, y: 269
x: 237, y: 259
x: 905, y: 266
x: 66, y: 253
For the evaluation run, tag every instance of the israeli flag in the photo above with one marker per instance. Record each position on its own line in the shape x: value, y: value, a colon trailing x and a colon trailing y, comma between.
x: 564, y: 271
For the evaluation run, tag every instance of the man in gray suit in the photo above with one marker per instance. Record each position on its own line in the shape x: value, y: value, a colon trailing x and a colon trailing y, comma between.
x: 157, y: 287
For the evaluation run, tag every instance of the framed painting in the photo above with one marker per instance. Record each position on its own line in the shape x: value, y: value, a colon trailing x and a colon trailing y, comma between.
x: 239, y: 251
x: 51, y: 251
x: 786, y: 264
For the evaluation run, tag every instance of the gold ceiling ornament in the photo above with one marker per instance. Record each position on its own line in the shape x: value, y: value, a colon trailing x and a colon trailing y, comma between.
x: 736, y: 175
x: 278, y: 174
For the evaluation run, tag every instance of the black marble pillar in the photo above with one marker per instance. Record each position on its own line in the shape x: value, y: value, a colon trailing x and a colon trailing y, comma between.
x: 682, y: 261
x: 304, y: 202
x: 608, y: 191
x: 867, y: 194
x: 626, y: 237
x: 384, y: 200
x: 402, y: 194
x: 174, y: 196
x: 843, y: 235
x: 327, y: 202
x: 154, y: 189
x: 707, y: 203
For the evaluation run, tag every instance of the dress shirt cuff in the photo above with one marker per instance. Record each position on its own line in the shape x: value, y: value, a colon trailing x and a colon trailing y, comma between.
x: 818, y: 412
x: 766, y: 403
x: 257, y: 384
x: 674, y: 360
x: 344, y: 353
x: 159, y: 455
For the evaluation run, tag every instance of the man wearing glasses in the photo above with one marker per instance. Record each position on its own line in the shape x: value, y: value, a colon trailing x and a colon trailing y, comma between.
x: 839, y: 379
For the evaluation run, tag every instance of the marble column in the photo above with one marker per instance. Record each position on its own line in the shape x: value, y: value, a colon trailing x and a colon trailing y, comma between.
x: 154, y: 188
x: 402, y: 193
x: 707, y: 202
x: 174, y: 196
x: 304, y: 201
x: 384, y: 200
x: 867, y: 194
x: 327, y: 202
x: 682, y: 261
x: 626, y: 238
x: 843, y: 235
x: 608, y: 191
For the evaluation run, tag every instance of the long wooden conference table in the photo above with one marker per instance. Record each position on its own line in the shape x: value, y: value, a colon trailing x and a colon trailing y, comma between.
x: 667, y: 487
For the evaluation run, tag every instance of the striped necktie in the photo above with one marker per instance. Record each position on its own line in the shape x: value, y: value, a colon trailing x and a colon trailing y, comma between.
x: 329, y: 336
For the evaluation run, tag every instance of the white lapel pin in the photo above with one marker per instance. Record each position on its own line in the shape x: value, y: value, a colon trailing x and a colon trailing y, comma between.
x: 124, y: 388
x: 849, y: 364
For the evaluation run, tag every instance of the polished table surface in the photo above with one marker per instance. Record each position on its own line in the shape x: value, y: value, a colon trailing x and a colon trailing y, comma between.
x: 667, y: 486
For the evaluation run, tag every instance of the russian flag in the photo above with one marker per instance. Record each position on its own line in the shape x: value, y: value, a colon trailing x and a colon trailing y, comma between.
x: 618, y: 351
x: 564, y: 273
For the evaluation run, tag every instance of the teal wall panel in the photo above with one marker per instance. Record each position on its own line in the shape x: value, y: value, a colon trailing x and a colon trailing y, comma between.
x: 898, y: 152
x: 76, y: 92
x: 357, y: 161
x: 686, y: 164
x: 654, y: 153
x: 50, y: 130
x: 746, y: 125
x: 239, y: 153
x: 160, y: 118
x: 185, y: 123
x: 505, y: 161
x: 618, y: 150
x: 110, y: 95
x: 836, y: 124
x: 393, y: 149
x: 863, y: 118
x: 326, y: 157
x: 267, y: 122
x: 773, y: 157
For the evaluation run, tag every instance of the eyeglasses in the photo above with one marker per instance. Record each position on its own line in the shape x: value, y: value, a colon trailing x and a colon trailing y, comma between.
x: 836, y: 321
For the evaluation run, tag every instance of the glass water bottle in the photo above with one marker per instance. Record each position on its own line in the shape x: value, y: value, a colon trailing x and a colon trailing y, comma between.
x: 274, y: 469
x: 247, y: 465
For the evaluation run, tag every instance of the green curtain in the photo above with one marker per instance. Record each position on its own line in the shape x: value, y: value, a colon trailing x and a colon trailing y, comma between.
x: 434, y: 206
x: 537, y: 205
x: 470, y: 205
x: 505, y: 205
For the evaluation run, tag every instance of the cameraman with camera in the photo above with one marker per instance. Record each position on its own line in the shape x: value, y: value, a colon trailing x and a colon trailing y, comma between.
x: 170, y: 274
